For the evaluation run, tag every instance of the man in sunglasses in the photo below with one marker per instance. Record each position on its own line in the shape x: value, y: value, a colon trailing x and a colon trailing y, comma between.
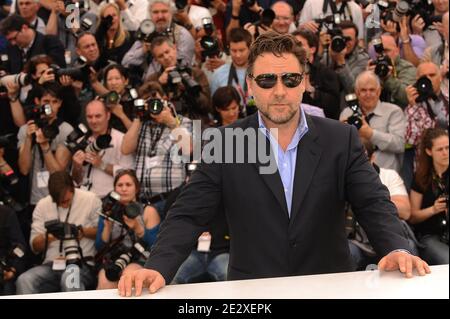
x: 290, y: 222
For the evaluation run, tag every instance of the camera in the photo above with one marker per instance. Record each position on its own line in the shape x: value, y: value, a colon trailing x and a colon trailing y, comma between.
x: 86, y: 25
x: 267, y: 17
x: 79, y: 73
x: 425, y: 9
x: 144, y: 108
x: 17, y: 252
x: 394, y: 12
x: 8, y: 140
x: 146, y: 32
x: 20, y: 79
x: 122, y: 256
x: 209, y: 44
x: 330, y: 19
x: 40, y: 115
x: 106, y: 23
x: 338, y: 40
x: 111, y: 98
x: 382, y: 61
x: 351, y: 100
x: 68, y: 234
x: 78, y: 140
x: 114, y: 210
x: 5, y: 195
x: 424, y: 88
x: 182, y: 74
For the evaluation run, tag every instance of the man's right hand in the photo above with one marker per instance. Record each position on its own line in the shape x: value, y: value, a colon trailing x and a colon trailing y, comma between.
x: 311, y: 26
x: 31, y: 128
x: 142, y: 278
x: 164, y: 77
x: 78, y: 158
x: 411, y: 94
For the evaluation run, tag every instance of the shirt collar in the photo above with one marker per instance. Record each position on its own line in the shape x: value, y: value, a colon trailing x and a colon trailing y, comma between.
x: 301, y: 130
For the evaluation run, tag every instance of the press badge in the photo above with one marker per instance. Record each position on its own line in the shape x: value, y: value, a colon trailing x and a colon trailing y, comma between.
x: 42, y: 179
x: 204, y: 242
x: 59, y: 263
x: 151, y: 162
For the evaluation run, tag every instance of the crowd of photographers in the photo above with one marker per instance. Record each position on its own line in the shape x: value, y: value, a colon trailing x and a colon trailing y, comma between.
x: 98, y: 101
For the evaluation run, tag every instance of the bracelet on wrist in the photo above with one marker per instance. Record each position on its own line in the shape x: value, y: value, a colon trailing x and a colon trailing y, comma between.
x: 234, y: 17
x: 13, y: 98
x: 48, y: 149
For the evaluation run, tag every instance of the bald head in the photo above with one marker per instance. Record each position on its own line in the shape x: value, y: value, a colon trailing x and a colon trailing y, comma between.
x: 284, y: 16
x: 97, y: 117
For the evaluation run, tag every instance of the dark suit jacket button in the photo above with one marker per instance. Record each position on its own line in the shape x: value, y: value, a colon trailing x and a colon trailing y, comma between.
x: 293, y: 244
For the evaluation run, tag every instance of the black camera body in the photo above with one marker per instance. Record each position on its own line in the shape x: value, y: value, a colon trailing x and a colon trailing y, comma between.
x: 5, y: 196
x: 78, y: 140
x: 145, y: 108
x: 146, y: 32
x: 122, y: 256
x: 209, y: 43
x: 248, y: 3
x: 182, y: 74
x: 424, y: 88
x: 338, y: 40
x: 355, y: 119
x: 114, y: 210
x: 111, y: 98
x: 17, y: 252
x: 78, y: 73
x: 382, y: 61
x: 40, y: 115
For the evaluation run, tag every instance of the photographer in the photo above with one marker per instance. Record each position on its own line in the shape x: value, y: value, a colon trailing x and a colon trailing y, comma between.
x: 112, y: 37
x: 142, y: 228
x: 240, y: 12
x: 115, y: 79
x: 234, y: 72
x: 429, y: 197
x: 56, y: 25
x: 25, y: 43
x: 161, y: 15
x: 157, y: 139
x: 431, y: 32
x: 321, y: 83
x: 428, y: 108
x: 383, y: 124
x: 349, y: 62
x: 12, y: 261
x: 192, y: 99
x: 94, y: 171
x: 399, y: 72
x: 132, y: 12
x: 190, y: 15
x: 284, y: 17
x: 316, y: 9
x: 67, y: 249
x: 28, y: 9
x: 41, y: 140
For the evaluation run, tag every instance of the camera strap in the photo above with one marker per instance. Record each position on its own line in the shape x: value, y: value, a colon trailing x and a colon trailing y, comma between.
x: 232, y: 75
x: 65, y: 222
x: 334, y: 10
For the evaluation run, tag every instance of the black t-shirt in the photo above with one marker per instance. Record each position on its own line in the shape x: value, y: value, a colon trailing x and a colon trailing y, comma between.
x: 433, y: 225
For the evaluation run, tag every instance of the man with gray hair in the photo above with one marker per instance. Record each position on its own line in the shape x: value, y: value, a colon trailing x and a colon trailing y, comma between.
x: 383, y: 124
x: 161, y: 14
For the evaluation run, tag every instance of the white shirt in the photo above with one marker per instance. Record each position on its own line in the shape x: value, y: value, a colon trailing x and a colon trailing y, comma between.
x: 196, y: 14
x: 84, y: 212
x: 393, y: 182
x: 313, y: 10
x: 99, y: 181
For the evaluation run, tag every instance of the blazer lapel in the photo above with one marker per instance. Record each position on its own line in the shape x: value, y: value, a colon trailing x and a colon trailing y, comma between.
x: 272, y: 181
x: 308, y: 156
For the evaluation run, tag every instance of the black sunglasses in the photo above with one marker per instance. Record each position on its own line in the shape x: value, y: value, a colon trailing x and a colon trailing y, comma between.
x: 268, y: 80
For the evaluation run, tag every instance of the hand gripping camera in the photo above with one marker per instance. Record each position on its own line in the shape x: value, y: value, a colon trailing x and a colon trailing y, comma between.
x: 68, y: 234
x: 356, y: 118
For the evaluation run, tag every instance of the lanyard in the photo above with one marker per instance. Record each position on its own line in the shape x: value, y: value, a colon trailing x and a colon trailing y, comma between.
x: 65, y: 222
x: 232, y: 75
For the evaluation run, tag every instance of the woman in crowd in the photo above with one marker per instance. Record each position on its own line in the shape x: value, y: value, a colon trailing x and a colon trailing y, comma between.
x: 116, y: 79
x: 111, y: 235
x: 112, y: 37
x: 226, y: 103
x: 429, y: 197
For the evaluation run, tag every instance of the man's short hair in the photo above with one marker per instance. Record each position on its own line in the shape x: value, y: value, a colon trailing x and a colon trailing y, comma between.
x: 240, y: 35
x: 149, y: 89
x: 169, y: 3
x: 347, y: 24
x: 277, y: 44
x: 48, y: 88
x: 83, y: 34
x: 160, y: 40
x: 12, y: 23
x: 58, y: 184
x: 309, y: 36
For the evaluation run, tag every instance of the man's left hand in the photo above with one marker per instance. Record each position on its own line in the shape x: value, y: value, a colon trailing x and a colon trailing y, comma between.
x: 405, y: 262
x: 365, y: 131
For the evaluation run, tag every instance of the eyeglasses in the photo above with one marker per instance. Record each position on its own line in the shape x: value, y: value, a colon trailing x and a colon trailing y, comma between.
x: 268, y: 80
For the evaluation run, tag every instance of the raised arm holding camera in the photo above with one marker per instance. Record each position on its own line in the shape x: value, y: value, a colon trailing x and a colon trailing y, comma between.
x: 126, y: 230
x: 156, y: 136
x: 96, y: 153
x: 64, y: 228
